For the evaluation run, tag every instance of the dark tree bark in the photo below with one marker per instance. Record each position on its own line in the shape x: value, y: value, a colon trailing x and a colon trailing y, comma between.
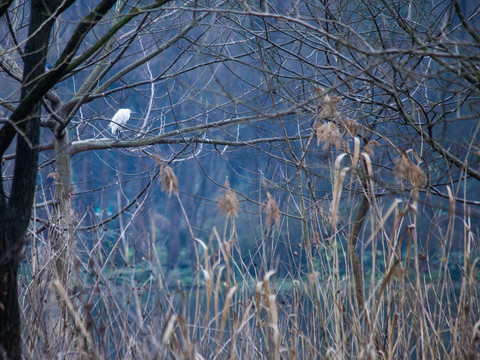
x: 4, y: 6
x: 15, y: 209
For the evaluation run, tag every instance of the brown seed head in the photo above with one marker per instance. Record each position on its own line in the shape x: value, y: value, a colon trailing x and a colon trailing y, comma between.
x: 169, y: 180
x: 273, y: 213
x: 321, y: 94
x: 351, y: 126
x: 405, y: 169
x: 329, y: 134
x: 228, y: 202
x: 368, y: 148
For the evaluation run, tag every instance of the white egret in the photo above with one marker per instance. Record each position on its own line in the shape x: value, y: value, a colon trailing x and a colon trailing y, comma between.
x: 119, y: 120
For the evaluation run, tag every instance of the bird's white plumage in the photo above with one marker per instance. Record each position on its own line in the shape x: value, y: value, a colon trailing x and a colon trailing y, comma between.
x: 119, y: 120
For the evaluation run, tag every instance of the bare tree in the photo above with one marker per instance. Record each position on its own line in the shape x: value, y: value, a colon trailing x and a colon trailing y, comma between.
x: 297, y: 103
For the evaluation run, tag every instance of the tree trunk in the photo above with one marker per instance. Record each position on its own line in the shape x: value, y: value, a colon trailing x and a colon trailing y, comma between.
x: 61, y: 229
x: 15, y: 210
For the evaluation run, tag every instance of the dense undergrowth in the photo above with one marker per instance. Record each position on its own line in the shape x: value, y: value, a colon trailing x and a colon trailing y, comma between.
x: 367, y: 286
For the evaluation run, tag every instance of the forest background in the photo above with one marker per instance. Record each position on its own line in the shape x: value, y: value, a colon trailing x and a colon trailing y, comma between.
x: 298, y: 179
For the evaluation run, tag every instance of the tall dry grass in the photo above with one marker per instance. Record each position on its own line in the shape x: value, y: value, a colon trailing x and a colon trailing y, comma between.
x: 362, y: 282
x: 415, y: 304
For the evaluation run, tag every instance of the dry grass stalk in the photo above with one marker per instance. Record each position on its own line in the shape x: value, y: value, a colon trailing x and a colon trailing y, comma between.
x: 225, y: 313
x: 396, y: 271
x: 405, y: 169
x: 78, y: 322
x: 338, y: 177
x: 368, y: 148
x: 329, y: 134
x: 158, y: 159
x: 209, y: 278
x: 228, y: 203
x: 266, y: 319
x: 273, y: 213
x: 356, y: 152
x: 368, y: 163
x: 273, y: 314
x: 169, y: 180
x: 216, y: 293
x: 258, y: 293
x: 270, y: 321
x: 169, y: 329
x: 451, y: 203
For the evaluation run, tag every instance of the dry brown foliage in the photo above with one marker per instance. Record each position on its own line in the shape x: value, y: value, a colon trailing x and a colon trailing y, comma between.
x: 405, y: 169
x: 273, y: 213
x: 328, y: 104
x: 351, y: 126
x: 330, y: 108
x: 228, y: 202
x: 329, y: 134
x: 321, y: 94
x: 169, y: 180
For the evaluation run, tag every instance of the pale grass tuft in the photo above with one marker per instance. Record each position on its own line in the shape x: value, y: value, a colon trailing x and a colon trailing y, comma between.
x: 330, y: 108
x: 405, y: 169
x: 169, y: 180
x: 328, y: 104
x: 273, y: 213
x: 329, y: 134
x: 368, y: 148
x: 228, y: 203
x: 351, y: 126
x: 321, y: 94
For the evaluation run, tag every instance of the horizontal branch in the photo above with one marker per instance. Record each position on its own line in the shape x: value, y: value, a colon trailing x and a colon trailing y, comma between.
x: 100, y: 144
